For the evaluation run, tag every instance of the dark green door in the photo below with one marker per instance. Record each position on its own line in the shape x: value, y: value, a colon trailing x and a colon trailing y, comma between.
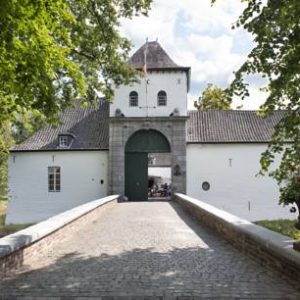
x: 136, y: 176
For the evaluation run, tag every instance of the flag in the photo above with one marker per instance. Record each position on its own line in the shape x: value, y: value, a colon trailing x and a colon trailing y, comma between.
x: 145, y: 69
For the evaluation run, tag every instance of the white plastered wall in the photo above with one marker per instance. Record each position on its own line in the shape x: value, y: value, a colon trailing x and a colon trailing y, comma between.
x: 174, y: 83
x: 29, y: 198
x: 231, y: 171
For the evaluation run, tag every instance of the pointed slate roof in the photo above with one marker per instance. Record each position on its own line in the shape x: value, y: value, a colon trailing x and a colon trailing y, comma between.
x: 157, y: 59
x: 231, y: 126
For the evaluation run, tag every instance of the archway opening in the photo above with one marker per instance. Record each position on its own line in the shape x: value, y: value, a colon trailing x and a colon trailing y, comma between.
x: 140, y: 148
x: 159, y: 176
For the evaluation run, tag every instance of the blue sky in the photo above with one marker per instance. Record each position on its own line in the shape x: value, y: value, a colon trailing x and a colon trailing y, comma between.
x: 199, y: 35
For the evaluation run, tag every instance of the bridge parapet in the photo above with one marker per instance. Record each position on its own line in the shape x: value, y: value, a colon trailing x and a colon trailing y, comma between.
x: 270, y: 249
x: 17, y: 249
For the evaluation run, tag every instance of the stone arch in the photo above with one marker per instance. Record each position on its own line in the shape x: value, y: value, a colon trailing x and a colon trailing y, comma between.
x: 148, y: 140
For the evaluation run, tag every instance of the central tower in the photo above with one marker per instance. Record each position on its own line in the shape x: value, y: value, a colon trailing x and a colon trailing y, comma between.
x: 152, y: 113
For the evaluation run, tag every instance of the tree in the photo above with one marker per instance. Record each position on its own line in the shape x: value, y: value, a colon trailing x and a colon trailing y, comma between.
x: 6, y: 140
x: 55, y: 52
x: 275, y: 26
x: 213, y: 97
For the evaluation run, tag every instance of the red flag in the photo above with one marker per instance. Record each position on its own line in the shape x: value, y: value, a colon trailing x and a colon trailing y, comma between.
x: 145, y: 68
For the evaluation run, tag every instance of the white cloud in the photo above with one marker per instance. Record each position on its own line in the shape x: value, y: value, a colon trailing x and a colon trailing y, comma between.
x: 199, y: 35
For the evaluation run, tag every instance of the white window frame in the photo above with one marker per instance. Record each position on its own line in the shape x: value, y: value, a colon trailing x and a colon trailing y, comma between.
x: 54, y: 183
x: 63, y: 141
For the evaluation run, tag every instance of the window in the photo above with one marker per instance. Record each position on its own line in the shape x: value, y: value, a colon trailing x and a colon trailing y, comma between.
x: 133, y: 98
x: 162, y: 98
x: 63, y: 141
x: 54, y: 179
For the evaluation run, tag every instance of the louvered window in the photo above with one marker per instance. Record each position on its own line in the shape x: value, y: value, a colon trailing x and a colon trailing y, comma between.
x: 162, y: 98
x: 133, y: 98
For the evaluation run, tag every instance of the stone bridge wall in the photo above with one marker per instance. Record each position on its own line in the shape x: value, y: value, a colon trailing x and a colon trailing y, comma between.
x: 17, y: 249
x: 270, y: 249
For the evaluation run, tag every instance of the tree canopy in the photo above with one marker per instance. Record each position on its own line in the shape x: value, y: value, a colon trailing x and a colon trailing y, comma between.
x: 275, y: 26
x: 213, y: 97
x: 54, y: 52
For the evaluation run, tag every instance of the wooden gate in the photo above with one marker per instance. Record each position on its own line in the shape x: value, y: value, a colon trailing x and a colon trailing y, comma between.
x: 136, y: 161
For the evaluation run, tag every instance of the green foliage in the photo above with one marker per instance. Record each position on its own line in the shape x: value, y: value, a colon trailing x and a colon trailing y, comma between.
x: 213, y: 97
x: 2, y: 211
x: 290, y: 192
x: 275, y: 26
x: 285, y: 227
x: 12, y: 228
x: 54, y: 52
x: 6, y: 140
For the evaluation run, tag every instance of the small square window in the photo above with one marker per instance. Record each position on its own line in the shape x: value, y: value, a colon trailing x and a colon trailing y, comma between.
x: 63, y: 141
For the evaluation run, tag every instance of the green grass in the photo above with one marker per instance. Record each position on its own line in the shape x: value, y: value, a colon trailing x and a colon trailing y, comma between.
x: 282, y: 226
x: 8, y: 229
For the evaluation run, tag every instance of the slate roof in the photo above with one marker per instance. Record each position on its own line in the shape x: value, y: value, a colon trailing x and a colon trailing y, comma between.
x: 233, y: 126
x: 89, y: 126
x: 157, y: 58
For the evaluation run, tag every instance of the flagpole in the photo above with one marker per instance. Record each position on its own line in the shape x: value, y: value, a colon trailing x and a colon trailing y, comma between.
x: 147, y: 98
x: 146, y: 75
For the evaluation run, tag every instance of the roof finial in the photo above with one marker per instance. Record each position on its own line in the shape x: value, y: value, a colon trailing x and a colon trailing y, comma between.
x: 156, y: 39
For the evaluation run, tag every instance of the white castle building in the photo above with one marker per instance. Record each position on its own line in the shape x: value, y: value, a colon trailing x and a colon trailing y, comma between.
x: 104, y: 149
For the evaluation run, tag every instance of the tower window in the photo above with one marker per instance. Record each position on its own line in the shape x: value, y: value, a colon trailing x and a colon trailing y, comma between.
x: 133, y: 98
x: 162, y: 98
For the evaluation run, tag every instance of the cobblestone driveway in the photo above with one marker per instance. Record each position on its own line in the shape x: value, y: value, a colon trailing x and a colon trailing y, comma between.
x: 148, y: 249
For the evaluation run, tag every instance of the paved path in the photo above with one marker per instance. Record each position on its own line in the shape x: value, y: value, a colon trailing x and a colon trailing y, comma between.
x: 147, y: 249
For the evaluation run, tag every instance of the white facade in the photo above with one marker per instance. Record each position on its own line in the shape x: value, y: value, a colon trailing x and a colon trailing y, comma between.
x: 83, y: 179
x: 174, y: 83
x: 231, y: 172
x: 230, y: 169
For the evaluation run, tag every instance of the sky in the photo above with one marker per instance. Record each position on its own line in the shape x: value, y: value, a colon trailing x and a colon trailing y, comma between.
x: 199, y: 35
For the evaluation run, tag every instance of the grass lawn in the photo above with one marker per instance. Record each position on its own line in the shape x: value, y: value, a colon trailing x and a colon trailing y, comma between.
x: 7, y: 229
x: 282, y: 226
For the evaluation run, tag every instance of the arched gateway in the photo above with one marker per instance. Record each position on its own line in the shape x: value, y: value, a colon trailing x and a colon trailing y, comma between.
x: 149, y: 116
x: 138, y: 146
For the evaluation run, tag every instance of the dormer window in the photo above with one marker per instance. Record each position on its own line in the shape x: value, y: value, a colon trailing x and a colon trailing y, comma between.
x: 133, y: 98
x: 65, y: 140
x: 162, y: 98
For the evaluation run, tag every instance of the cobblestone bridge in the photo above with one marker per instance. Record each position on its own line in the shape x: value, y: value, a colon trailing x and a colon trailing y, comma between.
x: 149, y: 250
